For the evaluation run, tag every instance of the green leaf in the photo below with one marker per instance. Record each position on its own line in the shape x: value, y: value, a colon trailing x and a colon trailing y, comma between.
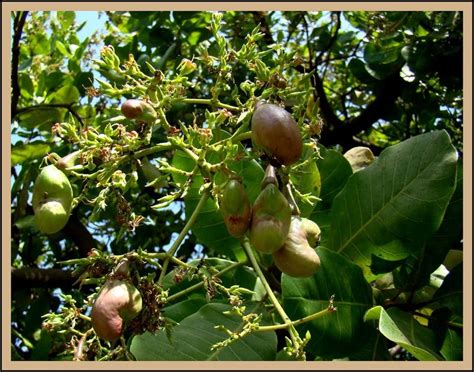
x: 67, y: 94
x: 24, y: 152
x: 335, y: 334
x: 41, y: 117
x: 374, y: 348
x: 452, y: 348
x: 450, y: 294
x: 395, y: 203
x: 27, y: 87
x: 305, y: 176
x: 62, y: 49
x: 375, y: 53
x: 193, y: 337
x: 184, y: 308
x: 403, y: 329
x: 334, y: 170
x: 357, y: 67
x: 449, y: 235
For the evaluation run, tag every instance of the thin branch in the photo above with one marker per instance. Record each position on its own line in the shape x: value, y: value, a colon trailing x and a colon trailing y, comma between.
x: 18, y: 25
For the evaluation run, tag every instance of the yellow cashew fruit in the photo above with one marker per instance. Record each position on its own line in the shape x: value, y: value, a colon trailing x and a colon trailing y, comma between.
x: 297, y: 257
x: 52, y: 200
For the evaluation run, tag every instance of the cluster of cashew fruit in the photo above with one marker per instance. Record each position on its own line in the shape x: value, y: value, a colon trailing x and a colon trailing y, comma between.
x: 273, y: 227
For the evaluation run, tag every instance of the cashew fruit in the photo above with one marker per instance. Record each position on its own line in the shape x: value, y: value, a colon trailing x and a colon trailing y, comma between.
x: 276, y: 133
x: 118, y: 302
x: 52, y: 200
x: 359, y: 157
x: 271, y: 217
x: 138, y: 109
x: 297, y: 257
x: 236, y: 209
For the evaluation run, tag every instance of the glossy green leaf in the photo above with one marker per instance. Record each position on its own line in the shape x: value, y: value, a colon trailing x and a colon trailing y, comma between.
x: 65, y: 95
x: 397, y: 201
x: 305, y: 176
x: 382, y: 54
x: 403, y: 329
x: 184, y: 308
x: 335, y: 171
x: 42, y: 118
x: 24, y: 152
x: 192, y: 339
x: 452, y: 348
x: 353, y: 296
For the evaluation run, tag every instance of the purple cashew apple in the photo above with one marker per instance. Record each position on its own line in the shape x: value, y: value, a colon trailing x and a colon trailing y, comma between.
x: 235, y: 208
x: 297, y: 257
x: 276, y: 133
x: 117, y: 303
x: 52, y: 200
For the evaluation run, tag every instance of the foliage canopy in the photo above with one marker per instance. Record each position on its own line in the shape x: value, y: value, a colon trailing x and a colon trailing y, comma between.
x: 148, y: 189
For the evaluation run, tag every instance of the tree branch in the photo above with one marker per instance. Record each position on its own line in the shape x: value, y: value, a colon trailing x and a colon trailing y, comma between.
x: 18, y: 25
x: 31, y: 277
x: 78, y: 233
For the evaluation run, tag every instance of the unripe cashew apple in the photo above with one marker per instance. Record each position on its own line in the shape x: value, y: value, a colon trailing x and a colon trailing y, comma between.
x: 236, y: 208
x: 52, y: 200
x: 276, y: 133
x: 138, y: 109
x: 297, y: 258
x: 118, y: 302
x: 271, y: 216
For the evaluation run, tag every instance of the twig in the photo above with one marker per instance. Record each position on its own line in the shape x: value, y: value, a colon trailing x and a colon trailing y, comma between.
x: 286, y: 319
x: 184, y: 232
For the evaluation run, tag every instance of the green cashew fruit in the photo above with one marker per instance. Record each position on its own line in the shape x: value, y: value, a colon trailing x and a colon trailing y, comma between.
x: 139, y: 110
x: 297, y: 257
x: 276, y: 133
x: 271, y: 216
x: 52, y: 200
x: 118, y: 302
x: 236, y: 209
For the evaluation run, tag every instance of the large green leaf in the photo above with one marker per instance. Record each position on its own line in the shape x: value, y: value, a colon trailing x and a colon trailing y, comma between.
x: 403, y: 329
x: 336, y: 334
x: 193, y: 337
x: 42, y: 118
x: 435, y: 250
x: 30, y: 151
x: 335, y: 171
x: 395, y: 203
